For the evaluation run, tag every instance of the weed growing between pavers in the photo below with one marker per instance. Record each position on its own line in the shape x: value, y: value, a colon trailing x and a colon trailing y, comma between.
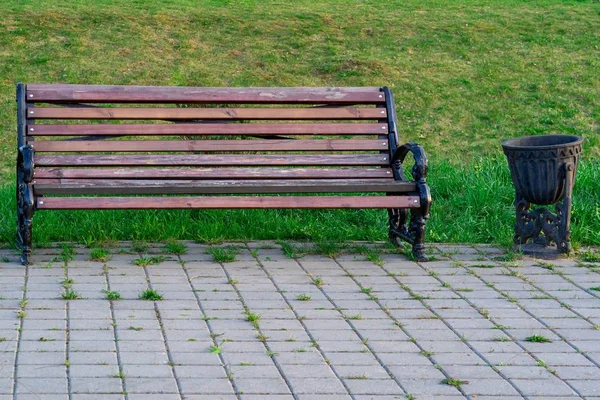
x: 589, y: 256
x: 112, y: 295
x: 303, y: 297
x: 224, y: 254
x: 176, y: 248
x: 100, y: 254
x: 150, y: 294
x: 454, y: 382
x: 145, y: 261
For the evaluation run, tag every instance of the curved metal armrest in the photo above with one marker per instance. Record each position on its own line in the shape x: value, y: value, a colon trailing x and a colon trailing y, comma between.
x: 419, y: 170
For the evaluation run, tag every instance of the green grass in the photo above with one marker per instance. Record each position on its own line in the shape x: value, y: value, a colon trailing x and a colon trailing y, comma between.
x: 224, y: 254
x: 303, y: 297
x: 99, y: 254
x: 145, y: 261
x: 173, y: 247
x: 465, y: 75
x: 70, y: 294
x: 454, y: 382
x: 537, y: 339
x: 150, y: 294
x: 112, y: 295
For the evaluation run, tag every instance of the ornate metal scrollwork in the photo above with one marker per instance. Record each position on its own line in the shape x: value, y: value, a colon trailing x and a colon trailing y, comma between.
x: 542, y: 226
x: 25, y: 201
x: 401, y: 227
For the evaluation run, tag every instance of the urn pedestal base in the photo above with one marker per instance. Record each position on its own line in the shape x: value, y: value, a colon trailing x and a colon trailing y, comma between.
x: 543, y: 170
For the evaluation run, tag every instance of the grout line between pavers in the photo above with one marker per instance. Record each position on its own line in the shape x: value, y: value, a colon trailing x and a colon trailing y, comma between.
x: 270, y: 353
x: 20, y: 333
x: 538, y: 360
x: 477, y: 352
x: 164, y: 337
x: 553, y: 330
x: 210, y: 330
x: 311, y: 337
x: 360, y: 336
x: 116, y: 335
x: 399, y: 325
x: 68, y: 337
x: 572, y: 282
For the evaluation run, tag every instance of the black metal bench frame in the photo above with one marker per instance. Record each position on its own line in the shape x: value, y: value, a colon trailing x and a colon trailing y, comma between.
x: 403, y: 225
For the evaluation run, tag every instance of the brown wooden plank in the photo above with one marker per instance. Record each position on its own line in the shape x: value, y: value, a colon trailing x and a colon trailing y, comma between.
x: 91, y: 160
x: 205, y: 129
x: 206, y: 113
x: 163, y: 94
x: 227, y: 202
x: 121, y: 186
x: 212, y: 173
x: 209, y: 145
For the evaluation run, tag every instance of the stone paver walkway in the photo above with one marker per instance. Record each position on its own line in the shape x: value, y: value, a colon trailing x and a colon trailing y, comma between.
x: 470, y: 325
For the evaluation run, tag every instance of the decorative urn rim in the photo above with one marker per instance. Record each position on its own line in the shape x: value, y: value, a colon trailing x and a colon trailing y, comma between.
x: 541, y: 142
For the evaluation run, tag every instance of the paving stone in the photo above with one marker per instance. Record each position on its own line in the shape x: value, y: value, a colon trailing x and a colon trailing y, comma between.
x: 151, y: 385
x: 40, y: 385
x: 373, y: 386
x: 317, y: 386
x: 96, y: 385
x: 205, y: 386
x: 490, y: 387
x: 543, y: 387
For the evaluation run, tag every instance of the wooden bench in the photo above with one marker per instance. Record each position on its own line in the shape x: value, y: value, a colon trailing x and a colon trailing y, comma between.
x: 195, y: 147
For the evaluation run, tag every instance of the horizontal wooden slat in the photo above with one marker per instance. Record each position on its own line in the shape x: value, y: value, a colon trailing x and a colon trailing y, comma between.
x: 210, y: 145
x: 120, y: 186
x: 162, y: 94
x: 206, y: 129
x: 211, y: 160
x: 206, y: 113
x: 228, y: 202
x: 212, y: 173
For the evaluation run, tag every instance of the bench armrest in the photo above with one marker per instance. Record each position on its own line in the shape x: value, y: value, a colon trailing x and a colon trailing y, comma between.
x: 419, y: 170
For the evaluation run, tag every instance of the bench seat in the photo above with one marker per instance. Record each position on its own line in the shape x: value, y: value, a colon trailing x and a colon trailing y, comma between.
x: 142, y: 147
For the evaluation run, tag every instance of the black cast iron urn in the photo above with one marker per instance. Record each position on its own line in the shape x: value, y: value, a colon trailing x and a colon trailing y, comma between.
x: 543, y: 171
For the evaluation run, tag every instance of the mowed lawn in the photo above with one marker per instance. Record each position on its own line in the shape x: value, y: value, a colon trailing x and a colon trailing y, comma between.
x: 465, y: 75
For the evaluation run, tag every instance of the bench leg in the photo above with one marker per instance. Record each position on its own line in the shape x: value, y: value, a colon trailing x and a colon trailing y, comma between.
x: 413, y: 233
x: 24, y: 221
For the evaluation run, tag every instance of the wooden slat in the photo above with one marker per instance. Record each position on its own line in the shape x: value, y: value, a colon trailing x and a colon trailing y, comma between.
x: 206, y: 113
x: 212, y: 173
x: 124, y: 187
x: 227, y: 202
x: 206, y: 129
x: 209, y: 145
x: 211, y: 160
x: 158, y: 94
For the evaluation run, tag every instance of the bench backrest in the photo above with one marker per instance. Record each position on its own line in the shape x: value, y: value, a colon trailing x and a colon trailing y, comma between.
x: 135, y: 132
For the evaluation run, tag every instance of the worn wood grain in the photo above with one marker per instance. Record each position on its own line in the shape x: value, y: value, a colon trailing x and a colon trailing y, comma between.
x: 209, y: 145
x: 227, y: 202
x: 205, y: 129
x: 162, y: 94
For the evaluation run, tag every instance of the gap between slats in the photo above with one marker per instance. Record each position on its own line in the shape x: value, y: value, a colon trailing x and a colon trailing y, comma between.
x: 212, y: 173
x: 212, y: 160
x: 210, y: 145
x: 119, y: 186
